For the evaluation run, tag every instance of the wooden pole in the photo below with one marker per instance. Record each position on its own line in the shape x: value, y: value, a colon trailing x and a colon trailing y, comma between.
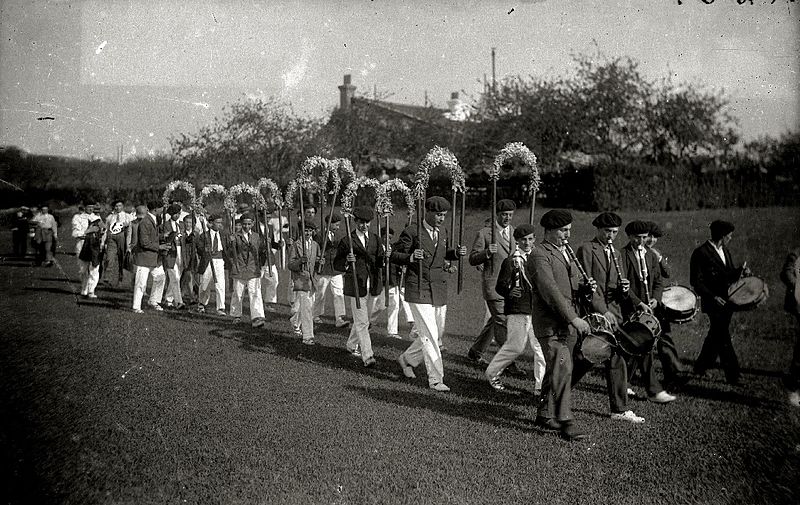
x: 353, y: 264
x: 268, y: 245
x: 461, y: 241
x: 302, y: 221
x: 419, y: 242
x: 494, y: 219
x: 533, y: 206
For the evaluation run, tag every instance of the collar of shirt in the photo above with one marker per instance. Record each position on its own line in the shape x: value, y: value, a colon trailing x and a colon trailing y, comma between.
x: 432, y: 232
x: 720, y: 251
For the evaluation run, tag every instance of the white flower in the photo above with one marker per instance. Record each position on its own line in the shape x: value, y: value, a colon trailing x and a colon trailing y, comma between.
x: 520, y: 151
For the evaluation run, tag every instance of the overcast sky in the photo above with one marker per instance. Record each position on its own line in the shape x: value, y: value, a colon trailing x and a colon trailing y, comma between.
x: 133, y: 73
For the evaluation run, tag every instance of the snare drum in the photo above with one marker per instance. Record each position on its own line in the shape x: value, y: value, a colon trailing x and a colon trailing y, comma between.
x: 680, y: 304
x: 639, y: 333
x: 747, y: 293
x: 600, y: 343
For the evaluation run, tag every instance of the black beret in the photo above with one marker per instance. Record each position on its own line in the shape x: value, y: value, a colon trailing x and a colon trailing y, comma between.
x: 720, y: 228
x: 246, y: 215
x: 637, y: 228
x: 214, y: 217
x: 524, y: 230
x: 607, y: 220
x: 310, y: 225
x: 506, y: 205
x: 437, y: 204
x: 655, y: 230
x: 174, y: 209
x: 336, y: 217
x: 364, y: 213
x: 556, y: 218
x: 155, y: 204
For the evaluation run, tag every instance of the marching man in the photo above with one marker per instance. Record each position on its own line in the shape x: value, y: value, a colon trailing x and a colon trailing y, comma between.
x: 304, y: 280
x: 147, y: 260
x: 329, y: 277
x: 173, y: 259
x: 212, y: 251
x: 426, y: 294
x: 515, y: 287
x: 247, y: 260
x: 367, y: 258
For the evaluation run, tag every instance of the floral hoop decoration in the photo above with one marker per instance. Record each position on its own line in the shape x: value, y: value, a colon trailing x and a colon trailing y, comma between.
x: 345, y: 168
x: 208, y: 190
x: 291, y: 189
x: 350, y: 193
x: 274, y: 191
x: 435, y: 157
x: 384, y: 205
x: 517, y: 150
x: 182, y: 185
x: 239, y: 189
x: 329, y: 173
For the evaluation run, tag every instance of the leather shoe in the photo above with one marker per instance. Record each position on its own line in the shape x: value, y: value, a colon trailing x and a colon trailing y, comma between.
x: 547, y: 423
x: 514, y: 371
x: 476, y: 358
x: 369, y: 363
x: 570, y: 432
x: 439, y: 386
x: 407, y: 370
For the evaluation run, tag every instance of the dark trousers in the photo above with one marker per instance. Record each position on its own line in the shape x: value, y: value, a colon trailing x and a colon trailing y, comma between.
x: 667, y: 353
x: 793, y: 379
x: 20, y: 241
x: 645, y: 363
x: 616, y: 374
x: 114, y: 259
x: 556, y: 388
x: 495, y: 327
x: 718, y: 344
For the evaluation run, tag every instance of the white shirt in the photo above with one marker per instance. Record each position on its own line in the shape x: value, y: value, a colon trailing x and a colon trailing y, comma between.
x: 362, y: 237
x: 80, y: 222
x: 122, y: 221
x: 215, y: 235
x: 432, y: 232
x: 720, y: 252
x: 640, y: 252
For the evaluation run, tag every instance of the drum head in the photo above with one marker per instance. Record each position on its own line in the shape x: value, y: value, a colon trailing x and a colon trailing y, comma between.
x: 598, y: 347
x: 747, y: 292
x: 636, y: 337
x: 679, y: 298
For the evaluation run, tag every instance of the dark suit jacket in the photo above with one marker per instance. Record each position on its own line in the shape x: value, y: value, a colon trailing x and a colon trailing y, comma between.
x: 506, y: 279
x: 789, y: 278
x: 304, y: 278
x: 330, y: 254
x: 172, y: 234
x: 592, y: 256
x: 710, y: 277
x: 556, y: 285
x: 632, y: 270
x: 369, y: 265
x: 479, y: 256
x: 145, y: 252
x: 204, y: 246
x: 247, y: 257
x: 431, y: 288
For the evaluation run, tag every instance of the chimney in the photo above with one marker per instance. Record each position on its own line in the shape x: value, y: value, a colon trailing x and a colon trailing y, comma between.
x: 454, y: 103
x: 346, y: 93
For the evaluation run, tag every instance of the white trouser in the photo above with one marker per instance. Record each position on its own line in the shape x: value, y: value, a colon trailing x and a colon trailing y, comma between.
x: 78, y: 247
x: 217, y: 276
x: 294, y: 318
x: 430, y: 325
x: 336, y: 283
x: 304, y: 304
x: 140, y: 284
x: 359, y: 333
x: 269, y: 284
x: 254, y: 293
x: 90, y: 276
x: 520, y: 334
x: 174, y: 288
x: 396, y: 302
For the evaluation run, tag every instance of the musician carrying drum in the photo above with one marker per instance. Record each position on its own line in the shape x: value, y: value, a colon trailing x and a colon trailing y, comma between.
x: 712, y: 271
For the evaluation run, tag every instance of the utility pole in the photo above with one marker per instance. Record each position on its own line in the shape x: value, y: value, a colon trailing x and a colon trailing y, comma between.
x: 494, y: 76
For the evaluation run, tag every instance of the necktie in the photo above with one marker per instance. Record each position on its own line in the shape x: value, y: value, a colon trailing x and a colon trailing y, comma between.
x: 214, y: 242
x: 504, y: 233
x: 435, y: 236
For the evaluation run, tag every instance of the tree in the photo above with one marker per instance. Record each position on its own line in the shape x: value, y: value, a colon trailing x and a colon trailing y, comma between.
x: 253, y: 139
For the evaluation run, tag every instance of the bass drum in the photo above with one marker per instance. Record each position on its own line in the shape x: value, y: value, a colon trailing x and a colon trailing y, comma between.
x: 600, y: 343
x: 679, y: 304
x: 747, y: 293
x: 639, y: 333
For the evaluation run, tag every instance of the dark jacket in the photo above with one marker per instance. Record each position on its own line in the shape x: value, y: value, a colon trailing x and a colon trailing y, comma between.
x: 369, y: 264
x: 789, y: 278
x: 171, y: 234
x: 555, y: 291
x: 330, y: 253
x: 145, y: 251
x: 431, y: 288
x: 304, y: 277
x: 204, y: 245
x: 247, y: 256
x: 510, y: 276
x: 629, y: 263
x: 710, y: 277
x: 92, y: 251
x: 592, y: 256
x: 479, y: 256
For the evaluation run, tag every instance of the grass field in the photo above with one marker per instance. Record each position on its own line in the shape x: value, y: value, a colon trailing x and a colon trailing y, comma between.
x: 103, y: 406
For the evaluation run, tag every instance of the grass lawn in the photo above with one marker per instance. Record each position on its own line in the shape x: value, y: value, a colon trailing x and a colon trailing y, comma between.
x: 100, y: 405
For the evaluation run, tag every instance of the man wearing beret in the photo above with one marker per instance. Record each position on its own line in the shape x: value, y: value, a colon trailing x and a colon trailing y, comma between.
x: 147, y: 260
x: 328, y: 276
x: 640, y: 266
x: 212, y: 251
x: 367, y: 259
x: 667, y: 351
x: 172, y: 233
x: 516, y: 289
x: 711, y: 272
x: 791, y: 303
x: 488, y: 256
x: 426, y: 288
x: 303, y: 259
x: 556, y: 291
x: 597, y: 258
x: 247, y: 260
